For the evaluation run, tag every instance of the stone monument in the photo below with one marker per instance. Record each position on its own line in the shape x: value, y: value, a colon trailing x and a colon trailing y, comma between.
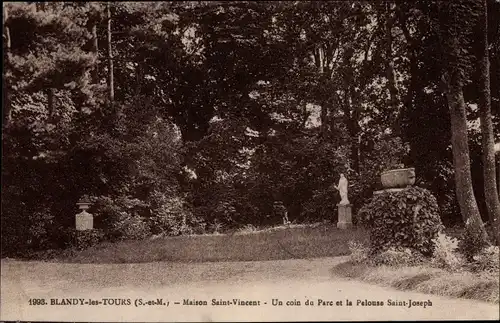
x: 84, y: 220
x: 344, y: 207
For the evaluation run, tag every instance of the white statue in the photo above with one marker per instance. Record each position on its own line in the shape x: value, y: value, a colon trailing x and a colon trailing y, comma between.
x: 342, y: 188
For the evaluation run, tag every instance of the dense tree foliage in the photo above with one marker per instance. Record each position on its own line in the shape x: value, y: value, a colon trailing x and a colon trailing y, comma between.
x: 185, y: 116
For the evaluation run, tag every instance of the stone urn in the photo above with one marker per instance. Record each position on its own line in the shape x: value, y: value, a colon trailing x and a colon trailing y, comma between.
x: 398, y: 178
x: 83, y: 204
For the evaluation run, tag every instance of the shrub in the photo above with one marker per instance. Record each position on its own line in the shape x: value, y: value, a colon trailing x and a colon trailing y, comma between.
x: 71, y: 239
x: 88, y: 238
x: 470, y: 245
x: 403, y: 219
x: 41, y: 221
x: 487, y: 260
x: 445, y: 252
x: 114, y: 214
x: 359, y: 252
x: 128, y: 227
x: 397, y: 257
x: 25, y: 230
x: 172, y: 217
x: 65, y: 236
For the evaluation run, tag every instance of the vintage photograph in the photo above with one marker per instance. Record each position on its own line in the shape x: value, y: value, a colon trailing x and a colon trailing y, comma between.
x: 200, y: 161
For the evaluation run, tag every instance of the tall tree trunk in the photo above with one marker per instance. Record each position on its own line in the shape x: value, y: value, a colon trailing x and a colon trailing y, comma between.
x: 110, y: 58
x: 461, y: 160
x: 487, y: 140
x: 320, y: 64
x: 7, y: 114
x: 449, y: 38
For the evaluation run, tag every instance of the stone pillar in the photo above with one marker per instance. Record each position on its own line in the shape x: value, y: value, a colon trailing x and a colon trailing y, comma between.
x: 84, y: 220
x: 345, y: 216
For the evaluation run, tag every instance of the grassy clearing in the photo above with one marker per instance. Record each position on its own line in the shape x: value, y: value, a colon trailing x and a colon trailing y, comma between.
x: 424, y: 279
x: 292, y: 242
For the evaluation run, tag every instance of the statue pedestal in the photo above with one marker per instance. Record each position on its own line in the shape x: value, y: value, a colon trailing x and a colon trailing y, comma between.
x: 84, y: 221
x: 345, y: 216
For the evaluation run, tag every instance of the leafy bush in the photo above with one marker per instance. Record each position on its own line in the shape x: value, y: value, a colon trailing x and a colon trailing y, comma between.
x: 109, y: 210
x: 171, y: 216
x: 359, y: 252
x: 171, y: 219
x: 128, y: 226
x: 397, y: 257
x: 445, y: 254
x: 71, y: 239
x: 162, y: 213
x: 25, y: 227
x: 88, y: 238
x: 470, y: 245
x: 40, y: 220
x: 487, y: 260
x: 403, y: 219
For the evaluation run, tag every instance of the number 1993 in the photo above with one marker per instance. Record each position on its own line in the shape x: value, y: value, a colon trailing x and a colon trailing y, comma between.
x: 37, y: 301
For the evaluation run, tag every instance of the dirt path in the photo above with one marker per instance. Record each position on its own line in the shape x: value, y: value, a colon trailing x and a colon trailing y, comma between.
x: 289, y: 281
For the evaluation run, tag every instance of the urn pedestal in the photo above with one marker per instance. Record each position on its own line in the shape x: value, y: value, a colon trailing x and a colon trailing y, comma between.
x: 84, y: 220
x: 345, y: 216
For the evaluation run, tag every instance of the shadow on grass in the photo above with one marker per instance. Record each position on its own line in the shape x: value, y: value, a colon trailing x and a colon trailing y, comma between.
x: 424, y: 279
x: 291, y: 243
x: 480, y: 290
x: 350, y: 269
x: 411, y: 282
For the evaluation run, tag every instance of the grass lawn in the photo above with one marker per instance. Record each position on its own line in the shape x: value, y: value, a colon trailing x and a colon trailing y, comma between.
x: 424, y: 279
x: 295, y: 242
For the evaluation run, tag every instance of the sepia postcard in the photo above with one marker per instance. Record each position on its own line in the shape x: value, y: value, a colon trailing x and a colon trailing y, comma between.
x: 231, y: 161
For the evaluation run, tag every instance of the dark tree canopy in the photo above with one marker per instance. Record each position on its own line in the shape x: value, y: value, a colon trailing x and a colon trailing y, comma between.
x: 222, y: 108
